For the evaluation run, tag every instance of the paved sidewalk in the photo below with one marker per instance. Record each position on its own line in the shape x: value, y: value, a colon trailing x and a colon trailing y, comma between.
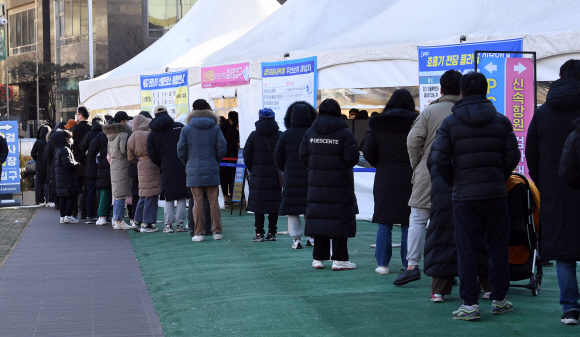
x: 74, y: 280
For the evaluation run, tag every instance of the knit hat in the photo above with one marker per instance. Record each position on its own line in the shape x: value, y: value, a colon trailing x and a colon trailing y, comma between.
x: 70, y: 124
x: 159, y: 109
x: 99, y: 119
x: 266, y: 113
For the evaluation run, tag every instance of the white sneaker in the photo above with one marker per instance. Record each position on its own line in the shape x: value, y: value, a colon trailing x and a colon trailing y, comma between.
x: 168, y: 228
x: 50, y: 204
x: 62, y: 219
x: 310, y: 242
x: 42, y: 204
x: 317, y: 264
x: 382, y: 270
x: 297, y: 244
x: 121, y: 225
x: 135, y: 226
x: 147, y: 228
x: 197, y: 238
x: 101, y: 222
x: 217, y: 236
x: 343, y: 265
x: 70, y: 219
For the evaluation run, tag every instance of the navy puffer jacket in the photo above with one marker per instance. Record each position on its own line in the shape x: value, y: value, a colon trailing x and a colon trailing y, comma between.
x: 329, y: 150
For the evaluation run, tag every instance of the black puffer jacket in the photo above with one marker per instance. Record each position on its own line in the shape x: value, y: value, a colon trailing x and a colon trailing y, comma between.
x: 329, y: 151
x: 476, y: 150
x: 37, y: 154
x: 49, y: 157
x: 265, y: 189
x: 162, y: 149
x: 91, y: 164
x: 299, y: 117
x: 65, y: 168
x: 386, y: 149
x: 547, y: 134
x: 98, y: 148
x: 79, y: 132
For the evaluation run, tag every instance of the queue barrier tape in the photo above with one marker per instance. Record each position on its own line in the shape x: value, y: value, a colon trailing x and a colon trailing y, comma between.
x: 362, y: 169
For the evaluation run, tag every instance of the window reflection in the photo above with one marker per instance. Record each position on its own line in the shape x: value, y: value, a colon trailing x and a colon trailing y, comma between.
x: 164, y: 14
x: 21, y: 32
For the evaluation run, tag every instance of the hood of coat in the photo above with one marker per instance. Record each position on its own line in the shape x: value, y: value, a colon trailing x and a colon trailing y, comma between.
x: 267, y: 126
x: 58, y: 140
x: 112, y: 130
x: 564, y: 94
x: 299, y: 114
x: 474, y: 110
x: 97, y: 127
x: 141, y: 123
x: 202, y: 119
x: 394, y: 120
x: 43, y: 132
x: 161, y: 122
x: 326, y: 124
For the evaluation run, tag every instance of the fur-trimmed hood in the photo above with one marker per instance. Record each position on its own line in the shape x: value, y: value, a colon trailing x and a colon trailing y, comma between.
x: 112, y: 130
x: 202, y: 113
x: 394, y: 120
x: 202, y: 119
x: 300, y: 114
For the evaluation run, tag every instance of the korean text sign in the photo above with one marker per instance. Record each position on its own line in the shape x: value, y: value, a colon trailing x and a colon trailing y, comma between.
x: 225, y: 76
x: 435, y: 60
x: 286, y: 82
x: 10, y: 182
x: 168, y: 89
x: 239, y: 179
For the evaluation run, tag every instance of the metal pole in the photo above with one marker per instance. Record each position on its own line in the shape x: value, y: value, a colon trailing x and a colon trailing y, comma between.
x: 36, y: 34
x: 7, y: 77
x: 91, y: 70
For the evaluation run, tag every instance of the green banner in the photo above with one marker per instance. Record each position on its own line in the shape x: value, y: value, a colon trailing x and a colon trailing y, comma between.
x: 3, y: 43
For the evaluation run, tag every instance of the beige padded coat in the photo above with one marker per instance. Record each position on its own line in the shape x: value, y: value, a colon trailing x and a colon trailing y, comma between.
x: 419, y: 142
x: 149, y: 173
x: 117, y: 135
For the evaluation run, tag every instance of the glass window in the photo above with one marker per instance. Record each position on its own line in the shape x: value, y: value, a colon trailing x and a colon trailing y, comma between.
x: 164, y: 14
x: 76, y: 18
x: 68, y: 30
x: 21, y: 32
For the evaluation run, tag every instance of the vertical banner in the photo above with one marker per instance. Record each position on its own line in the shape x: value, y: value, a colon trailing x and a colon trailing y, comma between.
x: 169, y: 89
x: 435, y: 60
x: 10, y: 182
x: 286, y: 82
x: 3, y: 51
x: 225, y: 76
x: 239, y: 178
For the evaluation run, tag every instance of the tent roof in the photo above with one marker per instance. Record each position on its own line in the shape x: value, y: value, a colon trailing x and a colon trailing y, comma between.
x: 207, y: 27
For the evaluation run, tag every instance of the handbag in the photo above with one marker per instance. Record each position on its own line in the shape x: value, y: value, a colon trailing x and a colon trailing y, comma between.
x: 280, y: 174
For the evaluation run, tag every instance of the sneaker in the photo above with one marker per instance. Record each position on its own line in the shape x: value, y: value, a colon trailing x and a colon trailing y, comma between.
x: 217, y: 236
x: 42, y: 204
x: 343, y: 265
x: 467, y: 313
x: 62, y: 219
x: 408, y: 275
x: 147, y: 228
x: 70, y: 219
x: 317, y: 264
x: 296, y: 244
x: 258, y: 238
x: 570, y: 317
x: 101, y: 222
x: 271, y: 237
x: 180, y: 228
x: 121, y: 225
x: 198, y: 238
x: 50, y: 204
x: 382, y: 270
x: 310, y: 242
x: 136, y: 226
x: 186, y: 227
x: 501, y: 307
x: 486, y: 296
x: 436, y: 298
x: 168, y: 228
x: 89, y: 221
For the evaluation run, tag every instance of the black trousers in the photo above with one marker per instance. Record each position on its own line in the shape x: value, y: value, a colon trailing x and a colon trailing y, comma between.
x: 272, y: 222
x: 82, y: 205
x: 67, y: 205
x: 321, y: 250
x: 206, y: 216
x: 469, y: 218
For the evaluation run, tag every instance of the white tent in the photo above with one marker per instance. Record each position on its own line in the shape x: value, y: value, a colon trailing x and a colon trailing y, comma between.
x: 207, y: 27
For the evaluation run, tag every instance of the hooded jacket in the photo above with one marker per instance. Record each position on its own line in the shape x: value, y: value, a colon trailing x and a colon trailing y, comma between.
x: 419, y: 141
x: 90, y: 163
x: 98, y: 153
x: 386, y: 149
x: 551, y: 125
x: 162, y: 150
x: 117, y: 135
x: 49, y: 157
x: 149, y: 174
x: 264, y: 184
x: 476, y: 150
x: 37, y: 153
x: 79, y: 132
x: 201, y: 148
x: 65, y: 168
x: 299, y: 117
x: 329, y: 151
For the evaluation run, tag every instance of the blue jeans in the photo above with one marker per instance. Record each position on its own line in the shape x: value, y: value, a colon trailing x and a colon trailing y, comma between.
x: 569, y: 295
x: 91, y: 193
x: 384, y: 249
x: 146, y: 211
x: 118, y: 209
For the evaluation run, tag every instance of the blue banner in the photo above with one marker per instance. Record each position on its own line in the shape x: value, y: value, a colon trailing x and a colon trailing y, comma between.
x: 10, y: 182
x: 164, y: 81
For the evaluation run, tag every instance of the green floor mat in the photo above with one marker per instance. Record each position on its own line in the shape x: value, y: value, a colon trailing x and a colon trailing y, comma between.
x: 236, y: 286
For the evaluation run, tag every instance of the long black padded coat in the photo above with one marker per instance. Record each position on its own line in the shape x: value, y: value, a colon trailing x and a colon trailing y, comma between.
x: 264, y: 184
x: 547, y: 134
x: 66, y: 168
x: 98, y: 152
x: 386, y: 149
x: 476, y: 150
x: 162, y: 150
x: 49, y: 157
x: 79, y: 132
x: 37, y: 153
x: 90, y: 163
x: 299, y: 117
x: 329, y: 151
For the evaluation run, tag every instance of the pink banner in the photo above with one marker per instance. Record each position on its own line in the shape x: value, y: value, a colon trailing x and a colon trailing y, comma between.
x: 519, y: 98
x: 225, y: 76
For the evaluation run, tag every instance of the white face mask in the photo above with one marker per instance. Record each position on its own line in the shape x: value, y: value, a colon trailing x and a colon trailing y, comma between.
x: 130, y: 123
x: 70, y: 141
